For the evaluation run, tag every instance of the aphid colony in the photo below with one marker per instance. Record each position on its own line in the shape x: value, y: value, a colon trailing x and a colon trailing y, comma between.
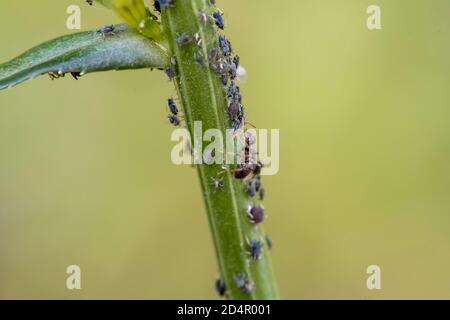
x: 220, y: 60
x: 173, y: 115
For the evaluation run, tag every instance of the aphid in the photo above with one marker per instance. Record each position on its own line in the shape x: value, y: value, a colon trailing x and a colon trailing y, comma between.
x: 106, y: 30
x: 173, y: 60
x: 213, y: 54
x: 172, y: 106
x: 163, y: 4
x: 236, y: 124
x: 269, y: 242
x: 239, y: 279
x: 233, y: 110
x: 219, y: 20
x: 220, y: 66
x: 248, y: 287
x: 251, y: 189
x: 233, y: 92
x: 225, y: 46
x: 216, y: 182
x: 258, y: 183
x: 255, y: 247
x: 220, y: 287
x: 173, y: 119
x: 238, y: 119
x: 262, y: 194
x: 232, y: 71
x: 243, y: 284
x: 170, y: 72
x: 236, y: 114
x: 183, y: 39
x: 233, y: 67
x: 198, y: 57
x: 236, y: 61
x: 256, y: 214
x: 224, y: 79
x: 90, y: 2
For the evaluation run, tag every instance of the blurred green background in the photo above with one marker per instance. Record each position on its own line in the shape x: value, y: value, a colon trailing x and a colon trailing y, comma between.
x: 86, y: 176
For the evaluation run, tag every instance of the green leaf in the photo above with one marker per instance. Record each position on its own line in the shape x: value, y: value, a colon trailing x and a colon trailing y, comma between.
x: 86, y: 52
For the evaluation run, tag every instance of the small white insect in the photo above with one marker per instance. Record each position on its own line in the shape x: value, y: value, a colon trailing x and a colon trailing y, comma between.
x: 241, y: 74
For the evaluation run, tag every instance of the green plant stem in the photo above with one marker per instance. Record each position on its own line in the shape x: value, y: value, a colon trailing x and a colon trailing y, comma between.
x: 203, y: 99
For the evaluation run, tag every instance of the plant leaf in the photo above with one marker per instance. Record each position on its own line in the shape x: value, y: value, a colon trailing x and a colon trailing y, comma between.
x: 85, y: 52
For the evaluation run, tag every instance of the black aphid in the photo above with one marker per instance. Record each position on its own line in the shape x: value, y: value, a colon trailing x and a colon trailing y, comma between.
x: 163, y: 4
x: 220, y: 287
x: 106, y: 30
x: 213, y: 55
x: 243, y: 284
x: 173, y: 119
x: 256, y: 214
x: 232, y: 70
x: 233, y: 110
x: 258, y: 183
x: 236, y: 60
x: 233, y: 92
x: 225, y: 46
x: 170, y: 72
x: 90, y: 2
x: 251, y: 189
x: 172, y: 106
x: 183, y: 39
x: 239, y: 279
x: 224, y: 79
x: 237, y: 123
x: 255, y: 247
x: 219, y: 20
